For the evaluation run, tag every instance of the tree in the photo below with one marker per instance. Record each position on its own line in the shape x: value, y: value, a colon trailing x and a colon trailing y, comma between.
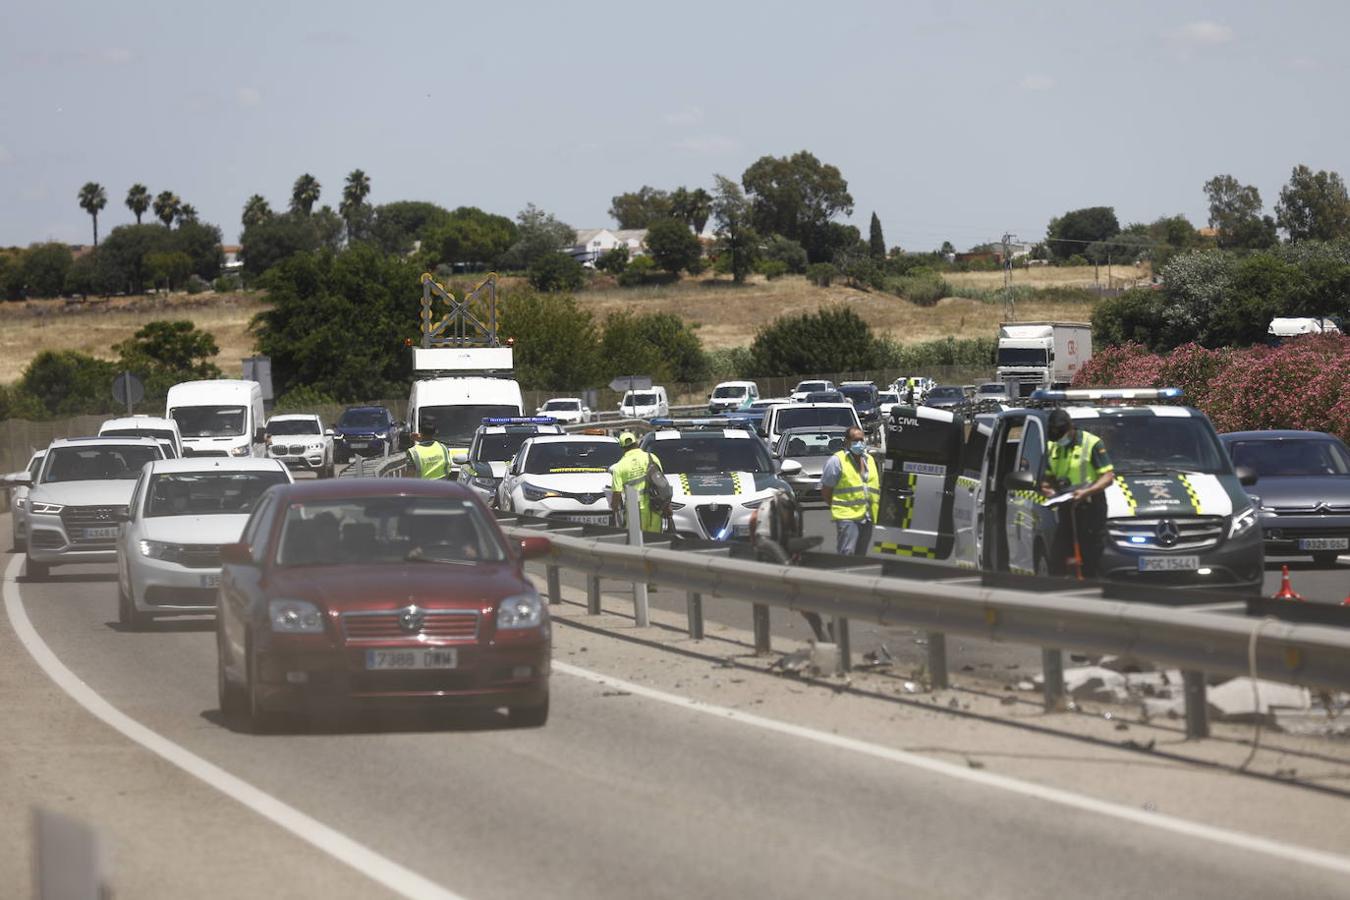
x: 796, y: 197
x: 201, y: 243
x: 397, y: 225
x: 876, y: 242
x: 673, y: 246
x: 1235, y: 213
x: 786, y: 251
x: 121, y: 260
x: 138, y: 200
x: 187, y: 215
x: 470, y: 238
x: 175, y: 350
x: 304, y: 194
x: 92, y: 200
x: 45, y: 267
x: 736, y: 236
x: 169, y: 268
x: 68, y: 383
x: 1313, y: 206
x: 557, y: 344
x: 554, y: 272
x: 256, y: 211
x: 266, y: 243
x: 1075, y: 232
x: 638, y: 209
x: 353, y: 204
x: 660, y: 344
x: 694, y: 207
x: 537, y: 234
x: 947, y: 249
x: 167, y: 205
x: 613, y: 261
x: 833, y: 339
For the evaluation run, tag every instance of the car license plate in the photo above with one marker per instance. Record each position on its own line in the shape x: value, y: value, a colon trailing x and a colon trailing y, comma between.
x: 416, y: 658
x: 1169, y: 563
x: 1324, y: 544
x: 360, y: 445
x: 581, y: 519
x: 100, y: 534
x: 211, y: 580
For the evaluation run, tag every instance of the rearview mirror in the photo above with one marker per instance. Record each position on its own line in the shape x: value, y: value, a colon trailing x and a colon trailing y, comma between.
x: 789, y: 467
x: 459, y: 459
x: 1021, y: 481
x: 235, y: 554
x: 1246, y: 475
x: 535, y: 547
x: 19, y: 478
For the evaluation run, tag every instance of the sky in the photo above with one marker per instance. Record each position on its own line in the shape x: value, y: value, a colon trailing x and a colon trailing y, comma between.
x: 952, y: 121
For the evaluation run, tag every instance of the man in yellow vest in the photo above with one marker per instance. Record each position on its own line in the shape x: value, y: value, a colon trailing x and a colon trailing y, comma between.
x: 851, y: 486
x: 1077, y: 462
x: 428, y: 457
x: 632, y: 469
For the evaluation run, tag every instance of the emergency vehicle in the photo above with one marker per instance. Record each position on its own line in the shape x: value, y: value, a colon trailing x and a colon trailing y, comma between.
x: 494, y: 446
x: 966, y: 490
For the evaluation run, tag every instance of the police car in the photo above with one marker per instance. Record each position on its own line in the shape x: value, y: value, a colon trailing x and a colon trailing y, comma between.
x: 561, y: 476
x: 494, y: 444
x: 718, y: 474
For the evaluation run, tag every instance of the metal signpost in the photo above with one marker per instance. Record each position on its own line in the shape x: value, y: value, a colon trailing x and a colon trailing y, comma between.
x: 127, y: 388
x: 633, y: 510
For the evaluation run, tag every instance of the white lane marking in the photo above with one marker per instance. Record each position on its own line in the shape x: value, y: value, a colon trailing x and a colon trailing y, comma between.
x: 378, y: 868
x: 1234, y: 839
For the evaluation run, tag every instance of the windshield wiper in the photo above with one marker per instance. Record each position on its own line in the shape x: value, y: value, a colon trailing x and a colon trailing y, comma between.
x: 417, y: 554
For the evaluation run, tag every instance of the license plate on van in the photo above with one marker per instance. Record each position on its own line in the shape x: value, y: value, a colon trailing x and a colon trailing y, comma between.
x: 1324, y: 544
x: 1169, y: 563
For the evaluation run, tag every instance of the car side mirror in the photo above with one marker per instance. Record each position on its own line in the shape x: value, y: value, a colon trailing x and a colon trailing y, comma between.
x: 789, y: 467
x: 235, y: 554
x: 535, y: 547
x: 19, y: 478
x: 459, y: 459
x: 1021, y: 481
x: 1246, y: 475
x: 482, y: 469
x: 329, y: 432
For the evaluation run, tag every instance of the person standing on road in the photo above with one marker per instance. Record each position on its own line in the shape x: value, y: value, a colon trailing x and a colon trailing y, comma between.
x: 1077, y: 461
x: 632, y: 469
x: 428, y: 457
x: 851, y: 486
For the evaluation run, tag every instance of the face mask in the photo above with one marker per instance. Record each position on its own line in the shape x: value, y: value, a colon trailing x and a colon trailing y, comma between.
x: 1065, y: 441
x: 857, y: 448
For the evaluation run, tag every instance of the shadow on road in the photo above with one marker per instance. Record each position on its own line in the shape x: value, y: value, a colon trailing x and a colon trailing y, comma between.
x: 167, y: 626
x: 381, y: 722
x: 79, y: 578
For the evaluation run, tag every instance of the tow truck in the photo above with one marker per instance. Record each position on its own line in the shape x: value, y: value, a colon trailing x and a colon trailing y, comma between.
x: 965, y: 489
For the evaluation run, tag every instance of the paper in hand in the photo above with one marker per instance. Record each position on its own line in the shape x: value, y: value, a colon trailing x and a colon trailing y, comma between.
x: 1056, y: 500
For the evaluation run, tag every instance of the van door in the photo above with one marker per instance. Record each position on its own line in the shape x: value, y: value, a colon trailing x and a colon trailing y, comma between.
x: 1023, y: 509
x: 967, y: 495
x: 923, y: 450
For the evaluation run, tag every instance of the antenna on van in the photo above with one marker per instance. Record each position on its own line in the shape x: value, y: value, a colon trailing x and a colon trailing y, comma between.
x: 470, y: 321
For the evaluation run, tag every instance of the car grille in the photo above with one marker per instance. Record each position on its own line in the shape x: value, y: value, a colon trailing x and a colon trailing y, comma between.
x: 77, y: 518
x: 188, y: 451
x: 445, y: 625
x: 714, y: 517
x: 288, y: 450
x: 585, y: 499
x: 158, y: 595
x: 429, y: 682
x: 1192, y: 534
x: 1321, y: 509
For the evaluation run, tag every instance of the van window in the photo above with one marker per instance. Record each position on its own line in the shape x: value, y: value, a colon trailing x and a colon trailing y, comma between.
x: 456, y: 424
x: 972, y: 454
x: 210, y: 421
x: 1033, y: 448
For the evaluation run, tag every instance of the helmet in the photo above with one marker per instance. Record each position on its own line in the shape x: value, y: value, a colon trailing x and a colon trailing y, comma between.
x: 627, y: 439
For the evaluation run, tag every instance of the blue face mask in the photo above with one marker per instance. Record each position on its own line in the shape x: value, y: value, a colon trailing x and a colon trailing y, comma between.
x: 857, y: 448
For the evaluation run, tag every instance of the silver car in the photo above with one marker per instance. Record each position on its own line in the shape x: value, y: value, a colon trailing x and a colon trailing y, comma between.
x: 18, y: 483
x: 810, y: 447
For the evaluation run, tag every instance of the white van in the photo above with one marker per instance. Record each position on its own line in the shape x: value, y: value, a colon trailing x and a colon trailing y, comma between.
x: 163, y: 430
x: 807, y: 415
x: 648, y: 403
x: 470, y: 385
x: 730, y: 396
x: 222, y: 417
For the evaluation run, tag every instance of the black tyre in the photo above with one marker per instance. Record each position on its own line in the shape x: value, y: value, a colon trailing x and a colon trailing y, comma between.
x: 233, y: 702
x: 127, y: 616
x: 258, y: 719
x: 36, y: 571
x: 528, y: 716
x: 1326, y: 558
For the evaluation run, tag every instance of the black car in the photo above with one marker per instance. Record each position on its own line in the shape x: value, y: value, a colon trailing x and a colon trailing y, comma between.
x: 366, y: 431
x: 866, y: 401
x: 1302, y: 490
x: 945, y: 396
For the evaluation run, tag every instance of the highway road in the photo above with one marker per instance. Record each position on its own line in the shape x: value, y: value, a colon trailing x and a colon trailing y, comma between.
x: 622, y: 794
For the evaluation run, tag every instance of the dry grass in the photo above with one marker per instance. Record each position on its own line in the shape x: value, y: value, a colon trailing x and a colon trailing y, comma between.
x: 1055, y: 276
x: 28, y: 328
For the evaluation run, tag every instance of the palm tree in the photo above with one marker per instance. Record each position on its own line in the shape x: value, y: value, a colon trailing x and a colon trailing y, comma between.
x: 92, y: 199
x: 256, y: 211
x: 354, y: 194
x: 304, y: 194
x: 167, y: 205
x: 187, y: 214
x: 138, y: 200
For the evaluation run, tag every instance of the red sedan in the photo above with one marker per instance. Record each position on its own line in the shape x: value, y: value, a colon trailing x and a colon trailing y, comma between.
x: 358, y: 592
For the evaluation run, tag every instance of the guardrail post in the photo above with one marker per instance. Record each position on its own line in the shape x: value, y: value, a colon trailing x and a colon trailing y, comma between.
x: 633, y: 510
x: 1197, y: 704
x: 937, y: 661
x: 760, y: 616
x: 1052, y: 672
x: 841, y: 642
x: 554, y: 584
x: 693, y: 604
x: 593, y: 595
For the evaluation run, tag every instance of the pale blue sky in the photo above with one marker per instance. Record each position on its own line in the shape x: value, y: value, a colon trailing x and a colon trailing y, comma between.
x: 951, y: 120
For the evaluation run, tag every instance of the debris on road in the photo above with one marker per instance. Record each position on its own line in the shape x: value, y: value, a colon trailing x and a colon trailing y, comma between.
x: 1233, y: 700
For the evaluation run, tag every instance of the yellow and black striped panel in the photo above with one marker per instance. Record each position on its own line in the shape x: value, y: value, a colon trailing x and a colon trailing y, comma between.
x: 904, y: 550
x: 1127, y: 494
x: 907, y: 502
x: 1190, y: 493
x: 1033, y: 497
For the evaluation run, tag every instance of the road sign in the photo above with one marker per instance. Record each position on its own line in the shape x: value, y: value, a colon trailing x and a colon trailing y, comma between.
x: 631, y: 383
x: 127, y: 388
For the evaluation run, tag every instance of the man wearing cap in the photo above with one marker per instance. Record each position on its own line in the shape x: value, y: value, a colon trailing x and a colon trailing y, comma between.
x: 428, y: 456
x: 632, y: 469
x: 1077, y: 461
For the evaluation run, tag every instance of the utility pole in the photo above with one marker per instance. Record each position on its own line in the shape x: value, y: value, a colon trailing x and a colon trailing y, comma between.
x: 1009, y: 305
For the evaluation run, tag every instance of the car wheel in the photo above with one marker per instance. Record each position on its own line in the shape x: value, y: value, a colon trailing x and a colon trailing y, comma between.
x: 127, y: 615
x: 35, y: 571
x: 1326, y: 558
x: 258, y: 719
x: 528, y: 716
x: 233, y: 702
x: 18, y: 545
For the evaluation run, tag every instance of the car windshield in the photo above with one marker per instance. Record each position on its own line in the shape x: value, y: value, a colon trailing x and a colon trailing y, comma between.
x: 363, y: 418
x: 812, y: 386
x: 946, y: 393
x: 501, y: 446
x: 209, y: 421
x: 1147, y: 443
x: 992, y: 389
x: 1021, y: 356
x: 386, y: 530
x: 207, y: 493
x: 294, y: 426
x: 562, y: 406
x: 98, y: 462
x: 162, y: 434
x: 456, y: 424
x: 559, y: 457
x: 888, y: 397
x: 814, y: 417
x: 1273, y: 458
x: 715, y: 453
x: 859, y: 394
x: 640, y: 400
x: 730, y: 390
x: 825, y: 397
x: 811, y: 443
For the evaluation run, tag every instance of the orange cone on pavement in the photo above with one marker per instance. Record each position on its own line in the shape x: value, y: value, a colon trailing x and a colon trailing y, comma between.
x: 1286, y: 591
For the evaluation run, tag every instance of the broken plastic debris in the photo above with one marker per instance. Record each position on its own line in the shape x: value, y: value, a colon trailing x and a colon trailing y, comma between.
x: 910, y: 687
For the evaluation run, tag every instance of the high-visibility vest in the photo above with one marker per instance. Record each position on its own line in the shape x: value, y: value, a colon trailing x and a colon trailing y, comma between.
x: 1074, y: 462
x: 632, y: 469
x: 432, y: 460
x: 853, y: 499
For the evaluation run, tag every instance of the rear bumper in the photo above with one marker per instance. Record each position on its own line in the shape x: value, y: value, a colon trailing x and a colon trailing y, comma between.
x: 1283, y: 533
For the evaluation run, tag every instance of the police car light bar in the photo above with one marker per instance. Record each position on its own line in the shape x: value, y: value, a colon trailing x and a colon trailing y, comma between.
x: 718, y: 422
x: 520, y: 420
x: 1167, y: 393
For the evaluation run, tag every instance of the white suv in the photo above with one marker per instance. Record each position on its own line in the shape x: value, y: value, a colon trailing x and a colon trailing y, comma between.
x: 300, y: 441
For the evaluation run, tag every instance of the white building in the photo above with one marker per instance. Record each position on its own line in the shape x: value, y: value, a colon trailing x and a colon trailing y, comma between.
x: 593, y: 243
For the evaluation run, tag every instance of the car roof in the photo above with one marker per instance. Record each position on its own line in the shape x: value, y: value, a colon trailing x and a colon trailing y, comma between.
x: 366, y: 409
x: 814, y: 429
x: 571, y: 438
x: 672, y: 434
x: 530, y: 427
x: 140, y: 422
x: 217, y: 464
x: 294, y: 417
x: 362, y: 488
x: 104, y: 439
x: 569, y: 399
x: 1277, y: 434
x: 823, y: 405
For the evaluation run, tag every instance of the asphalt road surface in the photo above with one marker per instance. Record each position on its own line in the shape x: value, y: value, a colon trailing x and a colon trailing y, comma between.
x: 639, y: 798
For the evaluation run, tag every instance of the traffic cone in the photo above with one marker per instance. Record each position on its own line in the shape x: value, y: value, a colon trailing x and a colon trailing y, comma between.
x: 1286, y: 591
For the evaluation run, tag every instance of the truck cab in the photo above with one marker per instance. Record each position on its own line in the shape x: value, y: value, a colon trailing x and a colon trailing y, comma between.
x: 458, y: 387
x: 965, y: 490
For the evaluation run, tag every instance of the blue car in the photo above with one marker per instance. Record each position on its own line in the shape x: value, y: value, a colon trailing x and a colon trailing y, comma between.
x: 366, y: 431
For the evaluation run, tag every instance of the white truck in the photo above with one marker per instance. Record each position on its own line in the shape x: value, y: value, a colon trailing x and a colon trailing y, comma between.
x: 458, y: 387
x: 1037, y: 355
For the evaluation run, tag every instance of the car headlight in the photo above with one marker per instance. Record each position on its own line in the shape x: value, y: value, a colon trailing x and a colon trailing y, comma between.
x: 156, y: 549
x: 240, y: 451
x: 382, y: 436
x: 520, y: 611
x: 534, y: 492
x: 485, y: 484
x: 1242, y: 522
x: 20, y: 502
x: 295, y: 617
x: 49, y: 509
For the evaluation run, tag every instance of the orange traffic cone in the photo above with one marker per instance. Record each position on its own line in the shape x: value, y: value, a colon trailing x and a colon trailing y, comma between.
x: 1286, y: 591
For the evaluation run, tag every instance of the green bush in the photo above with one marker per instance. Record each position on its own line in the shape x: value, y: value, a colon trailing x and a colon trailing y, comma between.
x: 226, y: 283
x: 924, y: 290
x: 969, y: 352
x: 613, y: 261
x: 834, y: 339
x: 303, y: 398
x: 821, y: 274
x: 555, y: 272
x: 790, y: 253
x: 196, y: 284
x: 644, y: 271
x: 771, y: 268
x: 728, y: 363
